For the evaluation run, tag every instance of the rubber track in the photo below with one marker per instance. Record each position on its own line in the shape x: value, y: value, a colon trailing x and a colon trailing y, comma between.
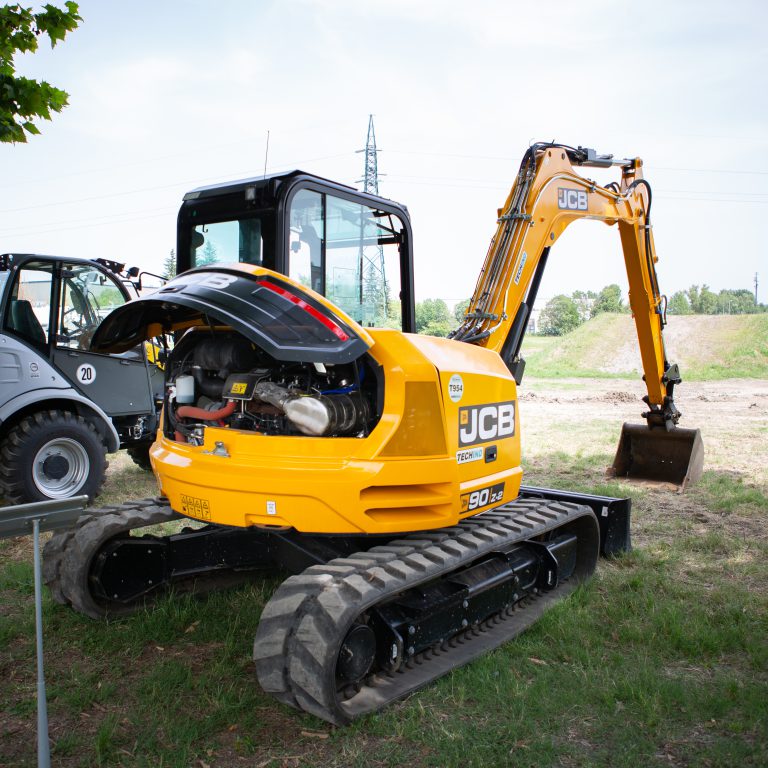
x: 68, y: 555
x: 303, y: 625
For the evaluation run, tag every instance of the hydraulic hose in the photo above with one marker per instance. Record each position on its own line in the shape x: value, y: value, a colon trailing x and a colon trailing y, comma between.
x: 648, y: 257
x: 192, y: 412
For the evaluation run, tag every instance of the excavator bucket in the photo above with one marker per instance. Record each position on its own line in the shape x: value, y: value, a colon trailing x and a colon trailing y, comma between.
x: 675, y: 457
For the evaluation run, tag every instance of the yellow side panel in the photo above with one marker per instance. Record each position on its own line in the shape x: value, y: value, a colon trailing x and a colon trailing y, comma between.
x: 410, y: 473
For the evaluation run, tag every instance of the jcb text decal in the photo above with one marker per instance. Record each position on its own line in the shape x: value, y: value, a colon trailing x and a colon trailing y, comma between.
x: 572, y: 199
x: 493, y: 494
x: 484, y: 423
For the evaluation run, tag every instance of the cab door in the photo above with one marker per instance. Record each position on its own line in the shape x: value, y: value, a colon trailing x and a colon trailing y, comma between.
x: 120, y: 384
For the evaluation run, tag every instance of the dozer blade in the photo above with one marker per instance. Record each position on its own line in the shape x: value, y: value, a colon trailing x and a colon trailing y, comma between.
x: 675, y: 457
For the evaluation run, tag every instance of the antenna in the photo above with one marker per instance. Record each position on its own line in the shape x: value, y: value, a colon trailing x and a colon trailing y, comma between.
x: 266, y: 155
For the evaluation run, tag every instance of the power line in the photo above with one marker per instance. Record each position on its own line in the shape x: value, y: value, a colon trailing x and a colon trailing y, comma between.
x: 184, y: 184
x: 91, y: 223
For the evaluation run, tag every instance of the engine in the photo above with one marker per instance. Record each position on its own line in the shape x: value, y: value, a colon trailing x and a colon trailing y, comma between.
x: 221, y: 378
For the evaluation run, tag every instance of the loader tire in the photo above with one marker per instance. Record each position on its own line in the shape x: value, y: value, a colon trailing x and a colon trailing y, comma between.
x: 139, y: 453
x: 52, y: 455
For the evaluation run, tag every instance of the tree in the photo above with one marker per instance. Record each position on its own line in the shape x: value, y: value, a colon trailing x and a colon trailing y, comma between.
x: 679, y: 304
x: 169, y: 265
x: 208, y: 256
x: 702, y: 300
x: 559, y: 316
x: 461, y: 309
x: 708, y: 303
x: 23, y: 100
x: 608, y: 300
x: 433, y: 318
x: 738, y: 301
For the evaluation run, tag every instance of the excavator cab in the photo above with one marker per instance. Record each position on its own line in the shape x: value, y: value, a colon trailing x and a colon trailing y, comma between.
x: 352, y: 247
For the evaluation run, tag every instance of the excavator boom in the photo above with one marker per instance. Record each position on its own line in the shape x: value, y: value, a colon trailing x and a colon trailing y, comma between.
x: 548, y: 195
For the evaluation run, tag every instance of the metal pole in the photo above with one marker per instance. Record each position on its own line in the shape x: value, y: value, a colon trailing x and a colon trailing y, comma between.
x: 43, y: 745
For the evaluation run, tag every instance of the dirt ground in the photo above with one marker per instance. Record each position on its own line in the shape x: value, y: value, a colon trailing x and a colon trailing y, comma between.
x: 731, y: 414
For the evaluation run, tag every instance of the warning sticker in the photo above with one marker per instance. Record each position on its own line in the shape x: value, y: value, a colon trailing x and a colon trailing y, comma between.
x: 194, y: 507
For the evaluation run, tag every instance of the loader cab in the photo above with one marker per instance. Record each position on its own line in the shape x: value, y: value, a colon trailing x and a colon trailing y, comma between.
x: 52, y: 306
x: 51, y: 302
x: 352, y: 247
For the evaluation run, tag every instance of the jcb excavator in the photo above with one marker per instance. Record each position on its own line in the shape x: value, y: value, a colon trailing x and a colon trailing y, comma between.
x: 382, y: 468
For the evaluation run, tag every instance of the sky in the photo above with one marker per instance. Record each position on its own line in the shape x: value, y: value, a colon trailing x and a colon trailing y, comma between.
x: 168, y: 96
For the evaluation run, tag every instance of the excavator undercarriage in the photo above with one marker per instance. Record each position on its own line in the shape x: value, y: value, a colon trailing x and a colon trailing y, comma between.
x: 364, y: 620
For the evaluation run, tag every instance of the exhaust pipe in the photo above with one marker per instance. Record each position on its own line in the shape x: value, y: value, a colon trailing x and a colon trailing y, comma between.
x: 674, y: 456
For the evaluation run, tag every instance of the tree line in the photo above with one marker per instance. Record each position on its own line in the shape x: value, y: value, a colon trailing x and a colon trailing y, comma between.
x: 563, y: 314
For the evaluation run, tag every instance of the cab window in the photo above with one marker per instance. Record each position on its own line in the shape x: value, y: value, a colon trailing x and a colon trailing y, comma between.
x: 239, y: 240
x: 29, y: 309
x: 348, y: 252
x: 88, y: 295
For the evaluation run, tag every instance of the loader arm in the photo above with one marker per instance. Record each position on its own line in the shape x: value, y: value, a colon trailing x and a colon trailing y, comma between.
x: 547, y: 196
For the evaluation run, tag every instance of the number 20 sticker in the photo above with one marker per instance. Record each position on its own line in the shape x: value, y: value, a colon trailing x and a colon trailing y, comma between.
x: 86, y: 374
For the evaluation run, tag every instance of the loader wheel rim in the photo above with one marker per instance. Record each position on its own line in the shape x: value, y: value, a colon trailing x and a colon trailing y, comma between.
x: 60, y: 468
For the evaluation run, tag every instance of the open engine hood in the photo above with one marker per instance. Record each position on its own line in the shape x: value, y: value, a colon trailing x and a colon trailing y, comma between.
x: 274, y: 312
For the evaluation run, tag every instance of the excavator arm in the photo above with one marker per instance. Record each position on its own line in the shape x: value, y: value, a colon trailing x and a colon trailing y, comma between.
x: 548, y: 195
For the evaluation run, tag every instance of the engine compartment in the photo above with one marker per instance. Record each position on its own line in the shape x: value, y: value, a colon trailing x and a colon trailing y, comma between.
x: 217, y: 377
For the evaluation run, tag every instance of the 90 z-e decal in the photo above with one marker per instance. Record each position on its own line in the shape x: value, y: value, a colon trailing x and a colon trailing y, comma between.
x: 493, y: 494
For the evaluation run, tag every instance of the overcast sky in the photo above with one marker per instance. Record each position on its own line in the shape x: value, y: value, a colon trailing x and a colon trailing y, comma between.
x: 166, y: 96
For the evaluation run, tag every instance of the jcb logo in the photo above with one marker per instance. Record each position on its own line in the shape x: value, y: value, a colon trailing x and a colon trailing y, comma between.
x: 484, y: 423
x: 572, y: 199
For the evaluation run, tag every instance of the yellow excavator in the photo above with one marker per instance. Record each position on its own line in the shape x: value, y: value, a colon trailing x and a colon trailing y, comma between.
x: 305, y: 431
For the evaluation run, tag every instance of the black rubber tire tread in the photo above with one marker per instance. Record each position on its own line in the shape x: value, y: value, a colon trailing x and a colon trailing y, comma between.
x: 16, y: 484
x: 303, y: 625
x: 68, y: 555
x: 139, y: 454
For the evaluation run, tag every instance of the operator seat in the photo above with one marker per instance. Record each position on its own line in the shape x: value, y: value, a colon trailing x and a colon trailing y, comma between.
x: 24, y: 322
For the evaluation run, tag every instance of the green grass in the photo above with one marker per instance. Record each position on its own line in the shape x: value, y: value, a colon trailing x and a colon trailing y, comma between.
x: 726, y: 492
x: 581, y: 353
x: 739, y: 351
x: 706, y: 347
x: 659, y: 660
